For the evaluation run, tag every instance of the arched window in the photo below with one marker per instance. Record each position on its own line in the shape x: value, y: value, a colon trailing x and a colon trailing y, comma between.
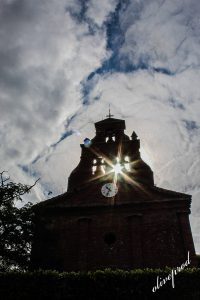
x: 110, y: 238
x: 94, y: 169
x: 127, y: 163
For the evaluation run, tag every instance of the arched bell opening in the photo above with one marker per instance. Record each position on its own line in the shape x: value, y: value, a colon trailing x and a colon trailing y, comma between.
x: 127, y: 163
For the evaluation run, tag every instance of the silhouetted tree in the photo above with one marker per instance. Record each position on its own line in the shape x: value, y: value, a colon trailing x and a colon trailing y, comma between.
x: 16, y: 227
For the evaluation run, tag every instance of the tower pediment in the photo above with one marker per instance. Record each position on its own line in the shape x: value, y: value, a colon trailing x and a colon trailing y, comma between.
x: 111, y: 123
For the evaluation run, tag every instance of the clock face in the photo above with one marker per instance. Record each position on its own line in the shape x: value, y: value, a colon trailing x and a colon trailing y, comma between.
x: 109, y: 190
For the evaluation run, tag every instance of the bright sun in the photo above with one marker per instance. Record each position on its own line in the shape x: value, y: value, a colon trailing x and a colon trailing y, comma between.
x: 117, y: 168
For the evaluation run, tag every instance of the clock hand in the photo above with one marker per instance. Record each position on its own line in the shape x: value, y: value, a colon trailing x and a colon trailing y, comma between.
x: 108, y: 188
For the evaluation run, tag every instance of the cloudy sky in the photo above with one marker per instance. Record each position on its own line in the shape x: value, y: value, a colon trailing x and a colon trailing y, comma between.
x: 63, y: 62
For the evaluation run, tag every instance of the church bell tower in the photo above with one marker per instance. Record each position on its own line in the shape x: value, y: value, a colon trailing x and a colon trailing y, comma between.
x: 112, y: 214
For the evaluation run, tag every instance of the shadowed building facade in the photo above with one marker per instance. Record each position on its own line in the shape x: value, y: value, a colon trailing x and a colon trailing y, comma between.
x: 112, y: 214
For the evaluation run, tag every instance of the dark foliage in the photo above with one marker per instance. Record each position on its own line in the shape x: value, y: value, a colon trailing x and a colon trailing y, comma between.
x: 105, y: 284
x: 16, y: 227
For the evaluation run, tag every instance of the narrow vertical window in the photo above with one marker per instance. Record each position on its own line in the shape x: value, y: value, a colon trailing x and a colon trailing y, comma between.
x: 127, y: 163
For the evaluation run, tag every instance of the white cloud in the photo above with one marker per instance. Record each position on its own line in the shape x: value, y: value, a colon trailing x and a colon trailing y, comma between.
x: 98, y: 11
x: 162, y: 33
x: 45, y: 53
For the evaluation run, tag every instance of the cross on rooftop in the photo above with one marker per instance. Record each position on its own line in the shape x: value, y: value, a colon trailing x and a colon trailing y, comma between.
x: 109, y: 114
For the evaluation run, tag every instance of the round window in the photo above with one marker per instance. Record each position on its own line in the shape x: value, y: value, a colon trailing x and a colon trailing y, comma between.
x: 109, y: 238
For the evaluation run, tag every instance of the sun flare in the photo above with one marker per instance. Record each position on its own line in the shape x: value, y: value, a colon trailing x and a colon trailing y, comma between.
x: 117, y: 168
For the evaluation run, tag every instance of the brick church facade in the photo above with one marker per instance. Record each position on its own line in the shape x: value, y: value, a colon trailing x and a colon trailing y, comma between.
x: 112, y: 214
